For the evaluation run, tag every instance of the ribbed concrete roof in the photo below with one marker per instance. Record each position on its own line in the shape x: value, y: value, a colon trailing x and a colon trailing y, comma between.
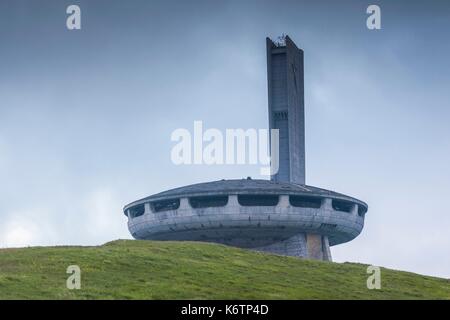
x: 245, y: 186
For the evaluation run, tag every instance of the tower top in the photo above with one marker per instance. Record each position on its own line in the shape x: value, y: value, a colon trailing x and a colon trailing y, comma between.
x: 280, y: 41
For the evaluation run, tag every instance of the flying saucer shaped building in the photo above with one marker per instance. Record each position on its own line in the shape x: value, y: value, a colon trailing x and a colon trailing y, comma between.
x: 282, y: 215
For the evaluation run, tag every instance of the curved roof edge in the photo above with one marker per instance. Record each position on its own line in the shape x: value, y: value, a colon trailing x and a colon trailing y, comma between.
x: 244, y: 186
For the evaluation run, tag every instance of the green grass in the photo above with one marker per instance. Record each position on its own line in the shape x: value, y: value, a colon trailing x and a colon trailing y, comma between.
x: 128, y: 269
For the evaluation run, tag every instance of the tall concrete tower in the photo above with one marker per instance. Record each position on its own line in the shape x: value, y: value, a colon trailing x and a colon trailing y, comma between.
x: 286, y: 107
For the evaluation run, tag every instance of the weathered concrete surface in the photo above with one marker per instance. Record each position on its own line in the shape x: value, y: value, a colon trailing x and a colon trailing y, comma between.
x: 285, y: 82
x: 294, y: 246
x: 314, y: 246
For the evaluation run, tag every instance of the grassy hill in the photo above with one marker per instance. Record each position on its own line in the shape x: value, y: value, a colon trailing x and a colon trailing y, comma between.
x: 127, y: 269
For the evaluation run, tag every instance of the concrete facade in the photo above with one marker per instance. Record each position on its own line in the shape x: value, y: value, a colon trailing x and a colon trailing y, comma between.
x: 287, y: 226
x: 285, y: 82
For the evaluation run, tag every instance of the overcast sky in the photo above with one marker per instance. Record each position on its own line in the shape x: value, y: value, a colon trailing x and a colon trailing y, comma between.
x: 86, y: 115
